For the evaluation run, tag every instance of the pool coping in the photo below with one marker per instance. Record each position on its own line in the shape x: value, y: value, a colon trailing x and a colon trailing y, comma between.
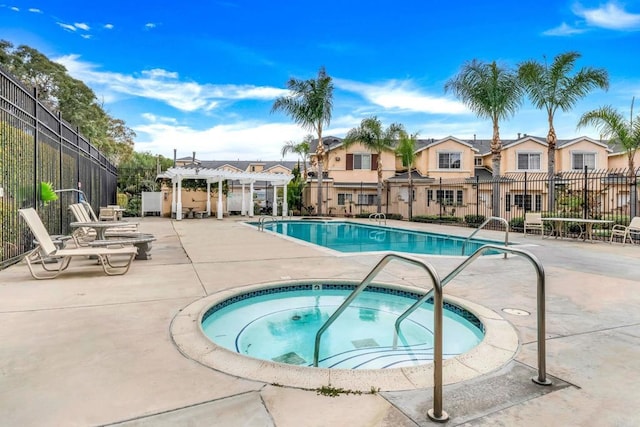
x: 499, y: 346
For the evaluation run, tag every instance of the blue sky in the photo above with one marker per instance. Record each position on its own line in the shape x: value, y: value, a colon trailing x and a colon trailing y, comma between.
x: 202, y: 76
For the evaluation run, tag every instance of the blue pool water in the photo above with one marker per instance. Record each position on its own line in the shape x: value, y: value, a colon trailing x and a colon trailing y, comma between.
x: 280, y: 325
x: 356, y: 237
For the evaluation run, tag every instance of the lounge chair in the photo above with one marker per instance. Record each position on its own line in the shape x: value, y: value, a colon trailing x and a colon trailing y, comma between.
x: 533, y: 221
x: 626, y: 232
x: 46, y: 250
x: 82, y: 236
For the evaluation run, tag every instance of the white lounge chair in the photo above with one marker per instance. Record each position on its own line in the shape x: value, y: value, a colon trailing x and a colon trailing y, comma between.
x: 533, y: 221
x: 46, y: 250
x: 626, y: 232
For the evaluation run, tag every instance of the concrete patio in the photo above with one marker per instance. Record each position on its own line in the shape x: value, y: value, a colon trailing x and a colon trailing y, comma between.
x: 86, y: 349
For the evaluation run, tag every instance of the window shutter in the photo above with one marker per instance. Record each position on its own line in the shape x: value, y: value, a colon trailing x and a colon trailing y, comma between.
x: 349, y: 162
x: 374, y: 162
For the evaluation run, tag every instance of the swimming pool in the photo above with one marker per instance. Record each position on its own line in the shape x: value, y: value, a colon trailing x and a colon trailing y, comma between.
x: 280, y: 324
x: 344, y: 236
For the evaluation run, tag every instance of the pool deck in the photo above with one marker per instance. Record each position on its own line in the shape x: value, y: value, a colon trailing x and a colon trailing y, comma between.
x: 86, y: 349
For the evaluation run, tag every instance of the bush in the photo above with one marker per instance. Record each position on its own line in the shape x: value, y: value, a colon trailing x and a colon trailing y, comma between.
x: 437, y: 218
x: 474, y: 220
x: 390, y: 216
x: 517, y: 223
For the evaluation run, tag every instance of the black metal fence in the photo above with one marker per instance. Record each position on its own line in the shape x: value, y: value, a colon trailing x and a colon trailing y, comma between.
x: 595, y: 194
x: 38, y: 146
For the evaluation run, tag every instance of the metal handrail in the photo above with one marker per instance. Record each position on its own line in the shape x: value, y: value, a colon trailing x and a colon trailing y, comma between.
x: 542, y: 375
x: 436, y: 413
x: 378, y: 216
x: 491, y: 218
x: 264, y: 219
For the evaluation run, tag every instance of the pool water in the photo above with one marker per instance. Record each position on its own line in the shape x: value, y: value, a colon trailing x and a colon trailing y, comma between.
x: 281, y: 327
x: 355, y: 237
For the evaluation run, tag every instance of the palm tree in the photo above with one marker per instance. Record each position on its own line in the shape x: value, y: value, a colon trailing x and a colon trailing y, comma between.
x: 551, y: 87
x: 612, y: 125
x: 491, y: 92
x: 301, y: 149
x: 371, y: 134
x: 406, y: 149
x: 310, y: 104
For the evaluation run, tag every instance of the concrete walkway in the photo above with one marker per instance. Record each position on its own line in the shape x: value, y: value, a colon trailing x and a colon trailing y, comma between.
x: 86, y: 349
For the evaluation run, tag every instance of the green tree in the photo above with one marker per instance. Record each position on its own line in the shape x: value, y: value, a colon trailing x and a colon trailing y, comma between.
x: 302, y: 149
x: 310, y: 104
x: 406, y: 149
x: 371, y: 134
x: 491, y: 92
x: 612, y: 125
x: 550, y: 87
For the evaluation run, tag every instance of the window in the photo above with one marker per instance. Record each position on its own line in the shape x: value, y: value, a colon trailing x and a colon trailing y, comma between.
x: 344, y: 198
x: 580, y: 160
x: 529, y: 161
x: 477, y: 161
x: 449, y: 197
x: 529, y: 202
x: 449, y: 160
x: 367, y: 199
x: 362, y: 161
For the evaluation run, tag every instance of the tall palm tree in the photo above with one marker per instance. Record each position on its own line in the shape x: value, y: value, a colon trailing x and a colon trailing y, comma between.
x: 551, y: 87
x: 371, y: 134
x: 492, y: 92
x: 301, y: 149
x: 406, y: 149
x: 612, y: 125
x: 309, y: 104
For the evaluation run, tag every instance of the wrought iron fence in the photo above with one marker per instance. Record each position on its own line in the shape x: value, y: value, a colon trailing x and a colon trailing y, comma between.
x: 595, y: 194
x: 36, y: 146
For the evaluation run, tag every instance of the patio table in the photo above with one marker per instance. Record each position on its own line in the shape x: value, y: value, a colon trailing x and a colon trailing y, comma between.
x: 586, y: 226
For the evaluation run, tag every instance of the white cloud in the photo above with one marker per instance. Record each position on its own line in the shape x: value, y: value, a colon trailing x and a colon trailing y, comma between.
x: 34, y: 10
x: 67, y: 27
x: 609, y: 16
x: 563, y: 30
x: 150, y: 117
x: 85, y: 36
x: 82, y: 26
x: 108, y: 26
x: 241, y: 140
x: 402, y: 95
x: 165, y: 86
x: 149, y: 25
x: 15, y: 9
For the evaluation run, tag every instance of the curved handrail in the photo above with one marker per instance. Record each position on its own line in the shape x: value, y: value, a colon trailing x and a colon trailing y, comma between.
x: 487, y: 221
x: 542, y: 375
x: 378, y: 216
x: 264, y: 219
x: 436, y: 413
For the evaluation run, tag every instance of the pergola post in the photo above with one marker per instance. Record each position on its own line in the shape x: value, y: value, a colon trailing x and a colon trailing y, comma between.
x: 251, y: 199
x: 220, y: 198
x: 243, y: 209
x: 274, y: 210
x: 174, y: 190
x: 179, y: 202
x: 208, y: 198
x: 285, y: 205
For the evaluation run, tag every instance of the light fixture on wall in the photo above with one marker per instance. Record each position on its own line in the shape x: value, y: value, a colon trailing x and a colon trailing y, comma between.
x: 337, y: 158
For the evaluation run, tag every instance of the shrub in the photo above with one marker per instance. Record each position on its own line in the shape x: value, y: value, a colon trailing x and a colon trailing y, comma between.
x: 474, y: 220
x: 437, y: 218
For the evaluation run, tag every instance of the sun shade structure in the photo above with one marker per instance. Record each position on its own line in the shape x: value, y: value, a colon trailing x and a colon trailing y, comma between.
x: 178, y: 174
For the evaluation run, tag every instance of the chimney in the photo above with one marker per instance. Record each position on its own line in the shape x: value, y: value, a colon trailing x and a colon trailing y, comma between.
x: 474, y: 137
x: 174, y: 157
x: 518, y: 135
x: 193, y: 161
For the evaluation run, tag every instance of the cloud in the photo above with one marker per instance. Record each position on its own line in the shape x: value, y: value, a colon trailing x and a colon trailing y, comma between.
x: 245, y: 140
x: 67, y: 27
x: 15, y: 9
x: 82, y: 26
x: 403, y: 96
x: 34, y: 10
x: 85, y: 36
x: 609, y: 16
x: 108, y: 26
x: 563, y: 30
x: 149, y: 25
x: 164, y: 86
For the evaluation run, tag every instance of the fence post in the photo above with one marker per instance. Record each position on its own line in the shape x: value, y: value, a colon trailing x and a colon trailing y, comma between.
x: 585, y: 203
x: 477, y: 196
x: 440, y: 198
x: 526, y: 205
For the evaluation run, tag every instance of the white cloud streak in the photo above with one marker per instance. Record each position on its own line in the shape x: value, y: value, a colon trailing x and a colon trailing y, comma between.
x: 34, y: 10
x: 108, y: 26
x: 164, y: 86
x: 402, y: 96
x: 563, y: 30
x: 82, y: 26
x: 609, y: 16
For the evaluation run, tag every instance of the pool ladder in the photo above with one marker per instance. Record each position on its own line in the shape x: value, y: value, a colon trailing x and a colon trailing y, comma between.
x: 266, y: 218
x: 380, y: 217
x: 437, y: 413
x: 487, y: 221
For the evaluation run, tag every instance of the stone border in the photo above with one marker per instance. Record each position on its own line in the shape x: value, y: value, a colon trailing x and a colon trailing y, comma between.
x: 498, y: 347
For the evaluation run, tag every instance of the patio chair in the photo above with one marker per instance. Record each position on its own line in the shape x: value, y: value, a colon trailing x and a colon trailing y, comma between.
x: 107, y: 214
x: 83, y: 236
x: 533, y: 221
x: 626, y: 232
x: 46, y: 250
